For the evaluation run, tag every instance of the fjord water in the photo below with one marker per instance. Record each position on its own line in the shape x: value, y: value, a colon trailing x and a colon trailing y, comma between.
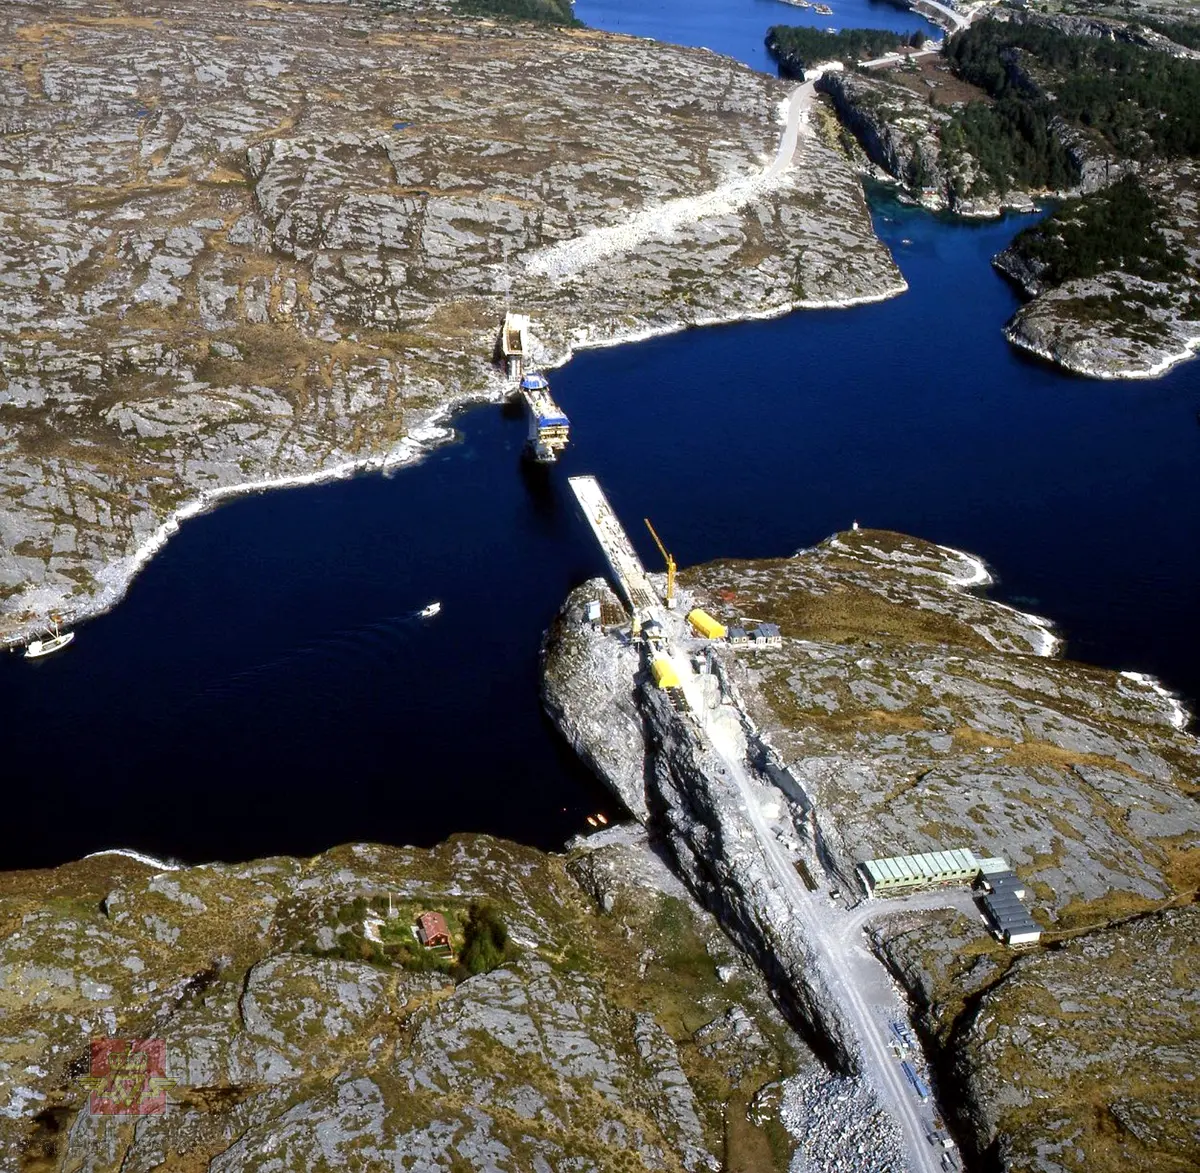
x: 737, y: 28
x: 267, y: 686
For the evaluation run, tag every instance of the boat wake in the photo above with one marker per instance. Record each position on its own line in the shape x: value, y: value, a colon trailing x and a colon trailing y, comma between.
x: 377, y: 644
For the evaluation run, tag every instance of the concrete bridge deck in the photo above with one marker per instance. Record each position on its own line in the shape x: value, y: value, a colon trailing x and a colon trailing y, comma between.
x: 618, y: 550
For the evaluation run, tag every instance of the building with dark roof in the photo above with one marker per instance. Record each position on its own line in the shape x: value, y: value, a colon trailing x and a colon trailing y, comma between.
x: 1004, y: 906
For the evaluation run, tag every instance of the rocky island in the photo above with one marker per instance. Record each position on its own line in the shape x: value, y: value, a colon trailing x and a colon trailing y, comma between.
x: 901, y: 712
x: 252, y: 244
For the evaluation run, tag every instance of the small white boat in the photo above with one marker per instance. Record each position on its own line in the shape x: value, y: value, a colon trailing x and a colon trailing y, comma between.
x: 44, y: 647
x: 430, y: 611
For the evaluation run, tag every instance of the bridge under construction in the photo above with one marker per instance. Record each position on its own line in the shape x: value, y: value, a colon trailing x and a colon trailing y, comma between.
x: 622, y: 559
x: 549, y: 428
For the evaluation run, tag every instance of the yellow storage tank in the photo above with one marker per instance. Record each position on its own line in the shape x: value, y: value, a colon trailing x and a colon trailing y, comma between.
x: 706, y: 625
x: 665, y: 675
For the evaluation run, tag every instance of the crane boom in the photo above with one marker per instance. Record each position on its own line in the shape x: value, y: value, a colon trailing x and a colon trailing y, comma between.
x: 668, y: 560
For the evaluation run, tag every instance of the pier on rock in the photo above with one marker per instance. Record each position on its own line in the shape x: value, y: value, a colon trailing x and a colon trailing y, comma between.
x: 513, y: 344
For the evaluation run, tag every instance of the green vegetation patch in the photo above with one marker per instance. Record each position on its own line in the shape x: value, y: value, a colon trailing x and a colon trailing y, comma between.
x: 1117, y: 228
x: 1142, y: 103
x: 1012, y: 144
x: 846, y: 614
x: 1182, y: 32
x: 486, y: 944
x: 797, y: 49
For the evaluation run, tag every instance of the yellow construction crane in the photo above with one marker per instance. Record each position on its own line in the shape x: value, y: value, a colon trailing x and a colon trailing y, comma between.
x: 670, y: 565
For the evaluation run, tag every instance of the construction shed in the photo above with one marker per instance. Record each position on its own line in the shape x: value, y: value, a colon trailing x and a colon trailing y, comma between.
x: 991, y: 865
x: 706, y: 625
x: 664, y: 673
x: 900, y: 873
x: 1010, y: 919
x: 1003, y: 902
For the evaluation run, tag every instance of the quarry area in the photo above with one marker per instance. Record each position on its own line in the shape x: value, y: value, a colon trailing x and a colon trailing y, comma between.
x: 896, y: 715
x: 253, y: 244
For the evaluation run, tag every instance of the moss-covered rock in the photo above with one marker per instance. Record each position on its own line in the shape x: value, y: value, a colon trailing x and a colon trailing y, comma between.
x: 599, y: 1044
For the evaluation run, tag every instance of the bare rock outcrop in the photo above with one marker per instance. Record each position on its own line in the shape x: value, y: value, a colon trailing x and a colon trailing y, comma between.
x: 913, y: 714
x: 898, y: 131
x: 1106, y: 1016
x: 290, y: 1037
x: 251, y: 244
x: 669, y: 777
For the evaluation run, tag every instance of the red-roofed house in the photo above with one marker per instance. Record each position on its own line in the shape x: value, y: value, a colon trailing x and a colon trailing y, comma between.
x: 432, y: 930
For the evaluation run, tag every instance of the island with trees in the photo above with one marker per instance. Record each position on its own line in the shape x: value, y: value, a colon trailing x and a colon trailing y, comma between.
x: 1099, y: 117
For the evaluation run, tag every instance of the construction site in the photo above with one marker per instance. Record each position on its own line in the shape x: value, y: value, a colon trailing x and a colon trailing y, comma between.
x: 782, y: 887
x: 774, y: 875
x: 549, y: 428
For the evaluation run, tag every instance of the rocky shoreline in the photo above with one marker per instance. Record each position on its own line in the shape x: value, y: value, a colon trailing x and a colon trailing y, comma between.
x: 1116, y: 324
x: 1113, y: 319
x: 908, y: 715
x: 284, y: 286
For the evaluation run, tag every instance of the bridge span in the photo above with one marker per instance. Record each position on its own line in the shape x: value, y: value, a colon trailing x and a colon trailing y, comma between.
x: 626, y: 566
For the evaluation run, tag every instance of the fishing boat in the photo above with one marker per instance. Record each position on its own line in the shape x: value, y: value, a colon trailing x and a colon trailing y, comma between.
x: 430, y: 611
x: 44, y: 647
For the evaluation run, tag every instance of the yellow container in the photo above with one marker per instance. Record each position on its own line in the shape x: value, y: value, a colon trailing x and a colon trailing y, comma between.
x: 664, y: 674
x: 706, y: 625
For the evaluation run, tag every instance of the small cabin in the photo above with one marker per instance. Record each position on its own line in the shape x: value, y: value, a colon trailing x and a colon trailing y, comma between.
x: 432, y: 930
x: 737, y: 637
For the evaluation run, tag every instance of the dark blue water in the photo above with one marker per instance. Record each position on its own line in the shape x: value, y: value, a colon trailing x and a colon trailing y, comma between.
x: 738, y: 28
x: 266, y: 686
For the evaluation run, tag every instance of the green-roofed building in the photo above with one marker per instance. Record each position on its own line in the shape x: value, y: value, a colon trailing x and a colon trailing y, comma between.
x: 906, y: 873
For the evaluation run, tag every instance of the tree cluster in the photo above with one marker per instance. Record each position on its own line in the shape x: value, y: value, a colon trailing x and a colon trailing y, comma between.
x: 1141, y: 102
x: 1114, y: 229
x: 1182, y: 32
x: 796, y: 48
x: 485, y: 941
x: 1013, y: 144
x: 538, y: 11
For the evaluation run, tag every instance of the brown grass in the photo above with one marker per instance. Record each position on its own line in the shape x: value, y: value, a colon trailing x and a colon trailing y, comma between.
x: 947, y: 90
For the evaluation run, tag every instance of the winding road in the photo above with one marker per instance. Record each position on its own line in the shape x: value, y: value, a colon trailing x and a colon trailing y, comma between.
x: 657, y: 220
x: 850, y: 968
x: 568, y: 257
